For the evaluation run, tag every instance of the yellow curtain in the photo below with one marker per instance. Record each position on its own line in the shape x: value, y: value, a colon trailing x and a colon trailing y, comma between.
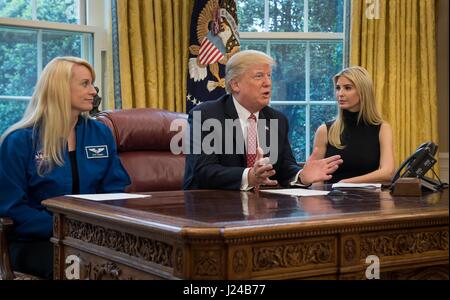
x: 153, y: 47
x: 109, y: 84
x: 395, y: 40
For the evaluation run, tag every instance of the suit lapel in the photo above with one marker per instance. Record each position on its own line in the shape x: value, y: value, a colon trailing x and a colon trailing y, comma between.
x: 230, y: 110
x: 231, y: 113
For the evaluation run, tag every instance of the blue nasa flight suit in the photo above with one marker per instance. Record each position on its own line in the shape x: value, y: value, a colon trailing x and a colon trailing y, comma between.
x: 22, y: 189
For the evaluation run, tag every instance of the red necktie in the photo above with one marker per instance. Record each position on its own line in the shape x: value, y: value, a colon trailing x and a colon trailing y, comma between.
x: 251, y: 141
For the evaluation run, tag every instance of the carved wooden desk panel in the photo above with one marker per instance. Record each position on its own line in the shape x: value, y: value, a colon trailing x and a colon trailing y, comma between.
x: 242, y: 235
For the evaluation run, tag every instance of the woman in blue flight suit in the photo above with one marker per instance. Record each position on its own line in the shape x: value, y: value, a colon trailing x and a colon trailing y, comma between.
x: 54, y: 150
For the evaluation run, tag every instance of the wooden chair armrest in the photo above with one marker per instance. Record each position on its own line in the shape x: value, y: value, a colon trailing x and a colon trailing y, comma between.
x: 5, y: 222
x: 6, y: 272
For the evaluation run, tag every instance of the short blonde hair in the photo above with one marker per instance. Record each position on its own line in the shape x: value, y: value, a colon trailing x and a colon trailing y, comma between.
x: 50, y: 108
x: 368, y: 112
x: 240, y: 62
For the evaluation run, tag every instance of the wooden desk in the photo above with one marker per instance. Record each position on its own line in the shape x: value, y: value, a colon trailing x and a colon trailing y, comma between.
x: 214, y: 234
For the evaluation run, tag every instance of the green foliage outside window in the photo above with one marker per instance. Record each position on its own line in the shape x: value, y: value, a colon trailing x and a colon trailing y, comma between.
x: 289, y: 16
x: 19, y: 50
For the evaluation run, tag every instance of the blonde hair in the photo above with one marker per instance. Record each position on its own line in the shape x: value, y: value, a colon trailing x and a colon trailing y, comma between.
x: 368, y: 112
x: 49, y: 110
x: 240, y: 62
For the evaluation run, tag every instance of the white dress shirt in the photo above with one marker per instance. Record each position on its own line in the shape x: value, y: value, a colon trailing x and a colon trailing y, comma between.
x: 243, y: 115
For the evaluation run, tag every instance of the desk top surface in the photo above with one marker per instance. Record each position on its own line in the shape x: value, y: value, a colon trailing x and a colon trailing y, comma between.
x: 232, y: 210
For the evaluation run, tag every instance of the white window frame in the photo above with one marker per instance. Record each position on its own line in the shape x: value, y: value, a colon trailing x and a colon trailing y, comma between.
x: 300, y: 36
x: 95, y: 18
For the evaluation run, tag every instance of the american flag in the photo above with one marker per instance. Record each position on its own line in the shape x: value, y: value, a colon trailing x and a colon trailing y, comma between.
x: 209, y: 53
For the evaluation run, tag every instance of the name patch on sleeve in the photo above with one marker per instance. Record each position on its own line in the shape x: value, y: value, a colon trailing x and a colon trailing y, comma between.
x: 97, y: 151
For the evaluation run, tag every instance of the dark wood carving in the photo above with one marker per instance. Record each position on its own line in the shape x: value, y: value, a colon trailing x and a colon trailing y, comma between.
x: 240, y: 261
x: 430, y: 273
x: 150, y: 250
x: 109, y: 271
x: 56, y: 225
x: 179, y: 260
x: 394, y: 244
x: 207, y: 262
x: 349, y: 249
x: 293, y: 255
x: 56, y: 262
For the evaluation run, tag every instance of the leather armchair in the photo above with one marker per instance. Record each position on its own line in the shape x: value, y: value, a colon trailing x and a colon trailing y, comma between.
x: 143, y: 139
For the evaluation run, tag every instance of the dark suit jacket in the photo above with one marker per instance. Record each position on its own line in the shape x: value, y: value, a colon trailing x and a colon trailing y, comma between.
x: 224, y: 171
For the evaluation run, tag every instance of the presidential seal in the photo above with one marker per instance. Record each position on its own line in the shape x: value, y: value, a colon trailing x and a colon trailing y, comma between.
x: 218, y: 40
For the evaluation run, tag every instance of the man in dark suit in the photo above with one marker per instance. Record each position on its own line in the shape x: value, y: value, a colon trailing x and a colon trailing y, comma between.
x: 224, y: 153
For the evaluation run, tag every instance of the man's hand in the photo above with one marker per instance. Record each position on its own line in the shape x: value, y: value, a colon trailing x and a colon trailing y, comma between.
x: 319, y: 169
x: 261, y: 171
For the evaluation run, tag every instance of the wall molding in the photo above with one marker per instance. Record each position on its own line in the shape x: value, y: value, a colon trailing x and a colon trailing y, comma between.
x: 443, y: 163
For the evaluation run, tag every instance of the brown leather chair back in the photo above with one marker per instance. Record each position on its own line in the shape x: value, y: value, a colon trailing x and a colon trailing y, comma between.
x: 143, y: 141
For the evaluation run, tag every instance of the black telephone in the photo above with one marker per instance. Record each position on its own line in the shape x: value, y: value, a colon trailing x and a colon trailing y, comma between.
x: 419, y: 163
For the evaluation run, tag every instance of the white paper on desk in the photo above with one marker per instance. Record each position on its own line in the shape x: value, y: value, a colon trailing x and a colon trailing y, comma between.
x: 356, y: 185
x: 296, y: 192
x: 112, y: 196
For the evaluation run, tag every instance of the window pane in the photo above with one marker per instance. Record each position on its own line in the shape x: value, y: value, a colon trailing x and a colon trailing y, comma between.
x: 320, y: 114
x: 61, y: 43
x: 18, y: 56
x: 326, y: 61
x: 11, y: 110
x: 250, y: 15
x: 67, y: 11
x: 289, y: 73
x: 325, y: 16
x: 288, y: 79
x: 254, y: 45
x: 58, y: 11
x: 15, y: 9
x: 286, y: 15
x: 289, y: 16
x: 297, y: 126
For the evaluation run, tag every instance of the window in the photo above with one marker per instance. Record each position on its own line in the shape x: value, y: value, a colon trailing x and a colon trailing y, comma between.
x: 306, y: 39
x: 32, y: 32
